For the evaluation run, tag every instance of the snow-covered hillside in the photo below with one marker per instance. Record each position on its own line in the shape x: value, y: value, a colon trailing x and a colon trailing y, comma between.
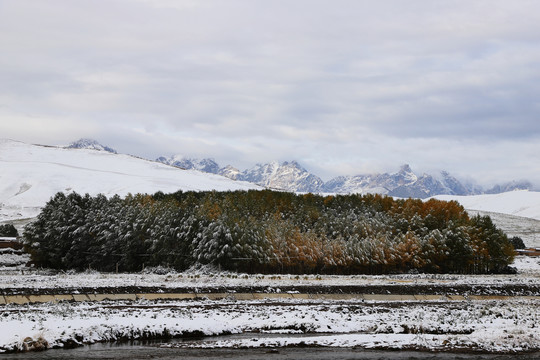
x: 519, y: 203
x: 31, y: 174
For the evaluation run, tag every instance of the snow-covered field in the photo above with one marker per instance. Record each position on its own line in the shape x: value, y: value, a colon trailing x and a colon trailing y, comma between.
x: 13, y: 259
x: 508, y: 325
x: 31, y: 174
x: 493, y: 326
x: 528, y: 268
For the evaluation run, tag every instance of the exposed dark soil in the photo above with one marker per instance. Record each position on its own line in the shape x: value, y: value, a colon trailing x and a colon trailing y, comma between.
x: 398, y: 289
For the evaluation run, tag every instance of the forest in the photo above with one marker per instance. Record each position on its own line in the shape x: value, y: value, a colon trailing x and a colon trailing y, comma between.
x: 264, y: 232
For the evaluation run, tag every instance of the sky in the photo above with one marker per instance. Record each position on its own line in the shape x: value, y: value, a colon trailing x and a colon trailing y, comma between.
x: 344, y: 87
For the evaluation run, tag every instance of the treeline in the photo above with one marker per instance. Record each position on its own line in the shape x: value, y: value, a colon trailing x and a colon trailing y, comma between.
x: 265, y: 231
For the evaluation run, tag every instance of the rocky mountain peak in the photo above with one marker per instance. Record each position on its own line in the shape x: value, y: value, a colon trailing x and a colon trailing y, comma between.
x: 405, y: 169
x: 452, y: 185
x: 91, y: 144
x: 231, y: 172
x: 206, y: 165
x: 404, y: 176
x: 289, y: 176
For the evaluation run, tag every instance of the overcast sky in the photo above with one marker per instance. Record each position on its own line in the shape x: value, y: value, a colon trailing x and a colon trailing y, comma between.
x: 343, y: 87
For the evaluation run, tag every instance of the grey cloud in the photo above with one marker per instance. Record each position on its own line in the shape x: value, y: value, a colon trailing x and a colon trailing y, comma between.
x: 348, y: 85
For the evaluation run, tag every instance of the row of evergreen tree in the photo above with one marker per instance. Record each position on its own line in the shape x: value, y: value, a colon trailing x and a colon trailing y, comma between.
x: 264, y: 231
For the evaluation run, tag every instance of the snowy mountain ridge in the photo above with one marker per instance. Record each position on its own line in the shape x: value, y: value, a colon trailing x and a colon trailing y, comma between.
x: 90, y: 144
x: 288, y: 176
x: 206, y: 165
x: 291, y: 176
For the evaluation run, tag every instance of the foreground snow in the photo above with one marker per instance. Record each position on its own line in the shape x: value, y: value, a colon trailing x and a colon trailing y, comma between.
x: 492, y: 326
x: 480, y: 325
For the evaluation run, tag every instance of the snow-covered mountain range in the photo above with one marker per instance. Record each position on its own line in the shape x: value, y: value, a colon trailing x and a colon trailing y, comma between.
x: 288, y: 176
x: 291, y: 176
x: 404, y: 183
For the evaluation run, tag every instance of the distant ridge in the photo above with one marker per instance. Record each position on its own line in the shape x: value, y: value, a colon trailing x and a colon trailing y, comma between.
x: 206, y: 165
x: 291, y: 176
x: 92, y: 144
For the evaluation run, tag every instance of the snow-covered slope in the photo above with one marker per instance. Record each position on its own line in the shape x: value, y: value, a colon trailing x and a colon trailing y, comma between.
x: 519, y: 203
x: 31, y: 174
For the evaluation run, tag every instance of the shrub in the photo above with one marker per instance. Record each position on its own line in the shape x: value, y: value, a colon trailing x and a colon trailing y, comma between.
x: 8, y: 230
x: 517, y: 242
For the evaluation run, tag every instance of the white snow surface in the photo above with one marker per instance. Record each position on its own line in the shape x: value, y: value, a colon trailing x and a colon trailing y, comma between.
x: 493, y: 326
x: 13, y: 260
x: 528, y: 273
x: 31, y: 174
x: 519, y: 203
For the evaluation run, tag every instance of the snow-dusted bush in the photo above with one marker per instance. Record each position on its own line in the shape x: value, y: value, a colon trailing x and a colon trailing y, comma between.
x: 8, y: 230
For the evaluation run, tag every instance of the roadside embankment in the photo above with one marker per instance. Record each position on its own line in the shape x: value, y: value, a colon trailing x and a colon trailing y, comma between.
x: 45, y: 298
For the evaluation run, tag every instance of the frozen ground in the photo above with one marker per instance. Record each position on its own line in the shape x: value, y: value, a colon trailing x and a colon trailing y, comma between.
x: 528, y: 267
x: 20, y: 277
x: 13, y: 259
x: 487, y: 326
x: 491, y: 326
